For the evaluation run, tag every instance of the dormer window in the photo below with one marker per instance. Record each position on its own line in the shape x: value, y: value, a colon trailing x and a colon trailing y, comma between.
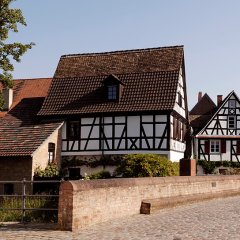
x: 112, y: 92
x: 113, y: 88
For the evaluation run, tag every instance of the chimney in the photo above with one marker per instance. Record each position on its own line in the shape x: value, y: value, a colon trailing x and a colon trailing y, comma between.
x: 7, y: 94
x: 219, y: 100
x: 199, y: 96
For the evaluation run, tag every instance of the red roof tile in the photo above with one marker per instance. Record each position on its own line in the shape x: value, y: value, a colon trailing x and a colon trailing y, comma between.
x: 20, y: 131
x: 149, y: 76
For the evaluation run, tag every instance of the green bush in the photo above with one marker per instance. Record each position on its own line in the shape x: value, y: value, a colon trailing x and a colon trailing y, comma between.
x: 50, y: 171
x: 100, y: 175
x: 209, y: 166
x: 146, y: 165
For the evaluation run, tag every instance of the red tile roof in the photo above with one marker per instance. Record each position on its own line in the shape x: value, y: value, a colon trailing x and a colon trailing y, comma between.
x: 20, y: 131
x: 201, y: 113
x: 26, y: 88
x: 150, y: 78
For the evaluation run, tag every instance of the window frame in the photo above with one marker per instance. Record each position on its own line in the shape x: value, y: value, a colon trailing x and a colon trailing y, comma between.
x: 73, y: 130
x: 112, y: 92
x: 51, y: 152
x: 215, y: 147
x: 232, y: 122
x: 232, y: 103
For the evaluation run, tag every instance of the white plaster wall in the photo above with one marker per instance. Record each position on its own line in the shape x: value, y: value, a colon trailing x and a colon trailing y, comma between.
x: 40, y: 156
x: 175, y: 156
x: 133, y: 126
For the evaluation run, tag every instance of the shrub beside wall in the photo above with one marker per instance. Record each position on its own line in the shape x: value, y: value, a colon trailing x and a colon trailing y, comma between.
x: 146, y: 165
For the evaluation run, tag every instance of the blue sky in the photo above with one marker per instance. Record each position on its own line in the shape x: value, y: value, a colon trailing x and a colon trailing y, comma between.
x: 208, y: 29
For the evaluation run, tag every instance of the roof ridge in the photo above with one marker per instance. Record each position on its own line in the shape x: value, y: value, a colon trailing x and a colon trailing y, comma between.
x: 119, y: 74
x: 25, y: 79
x: 121, y: 51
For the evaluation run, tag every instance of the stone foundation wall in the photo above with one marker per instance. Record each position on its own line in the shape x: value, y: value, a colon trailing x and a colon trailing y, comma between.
x: 84, y: 203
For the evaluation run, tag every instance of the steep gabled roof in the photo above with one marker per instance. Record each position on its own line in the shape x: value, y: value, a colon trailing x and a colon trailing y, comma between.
x: 20, y: 132
x: 218, y: 109
x: 204, y: 106
x: 149, y: 76
x: 120, y: 62
x: 27, y: 88
x: 201, y: 113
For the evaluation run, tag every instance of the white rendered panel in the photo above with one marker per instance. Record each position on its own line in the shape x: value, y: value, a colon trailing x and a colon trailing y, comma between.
x: 93, y: 145
x: 159, y: 129
x: 133, y: 126
x: 161, y: 118
x: 73, y: 145
x: 108, y: 131
x: 148, y: 129
x: 87, y: 120
x: 95, y: 132
x: 64, y: 131
x: 120, y: 119
x: 122, y: 144
x: 85, y: 130
x: 148, y: 118
x: 64, y: 145
x: 108, y: 120
x: 119, y: 130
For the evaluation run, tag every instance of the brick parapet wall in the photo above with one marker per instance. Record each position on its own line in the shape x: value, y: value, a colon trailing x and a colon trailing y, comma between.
x: 83, y: 203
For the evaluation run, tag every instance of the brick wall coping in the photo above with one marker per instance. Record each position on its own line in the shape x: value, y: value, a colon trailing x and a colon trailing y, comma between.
x: 86, y: 185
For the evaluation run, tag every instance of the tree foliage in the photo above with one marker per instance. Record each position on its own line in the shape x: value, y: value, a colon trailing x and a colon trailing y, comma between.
x: 9, y: 20
x: 147, y: 165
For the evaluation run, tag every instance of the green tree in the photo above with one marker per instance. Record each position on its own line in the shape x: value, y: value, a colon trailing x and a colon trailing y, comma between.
x: 9, y: 20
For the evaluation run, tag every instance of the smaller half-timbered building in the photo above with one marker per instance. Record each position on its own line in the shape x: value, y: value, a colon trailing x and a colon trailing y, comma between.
x: 219, y: 138
x: 121, y: 102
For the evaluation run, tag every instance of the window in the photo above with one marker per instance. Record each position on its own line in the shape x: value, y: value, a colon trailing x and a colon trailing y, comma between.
x: 179, y: 99
x: 232, y: 104
x: 73, y: 130
x: 112, y: 92
x: 231, y: 122
x: 215, y: 146
x: 51, y: 152
x: 8, y: 189
x: 74, y: 173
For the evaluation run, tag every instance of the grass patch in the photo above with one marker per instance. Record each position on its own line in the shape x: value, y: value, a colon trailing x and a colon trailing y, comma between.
x: 7, y: 215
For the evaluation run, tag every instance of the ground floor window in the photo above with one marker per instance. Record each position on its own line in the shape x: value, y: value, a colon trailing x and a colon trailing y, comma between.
x: 215, y: 146
x: 8, y: 189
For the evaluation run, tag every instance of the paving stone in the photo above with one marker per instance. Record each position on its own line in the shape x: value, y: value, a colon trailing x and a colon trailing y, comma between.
x: 216, y: 220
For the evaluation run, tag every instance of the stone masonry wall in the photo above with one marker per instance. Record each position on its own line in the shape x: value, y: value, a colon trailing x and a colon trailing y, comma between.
x: 83, y: 203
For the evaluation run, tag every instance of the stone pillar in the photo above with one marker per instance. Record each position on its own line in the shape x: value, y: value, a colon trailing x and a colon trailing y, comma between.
x: 188, y: 167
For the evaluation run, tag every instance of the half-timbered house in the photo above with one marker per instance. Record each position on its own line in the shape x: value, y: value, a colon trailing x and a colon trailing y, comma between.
x: 121, y: 102
x: 219, y: 138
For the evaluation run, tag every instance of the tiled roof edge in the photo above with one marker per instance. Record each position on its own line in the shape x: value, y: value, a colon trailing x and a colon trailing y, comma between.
x: 122, y: 51
x: 31, y: 79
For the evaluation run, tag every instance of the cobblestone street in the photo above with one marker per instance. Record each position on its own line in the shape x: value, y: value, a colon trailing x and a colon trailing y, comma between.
x: 216, y: 219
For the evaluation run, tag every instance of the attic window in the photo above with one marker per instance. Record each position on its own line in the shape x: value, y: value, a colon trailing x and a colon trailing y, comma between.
x: 112, y: 92
x: 232, y: 104
x: 113, y: 88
